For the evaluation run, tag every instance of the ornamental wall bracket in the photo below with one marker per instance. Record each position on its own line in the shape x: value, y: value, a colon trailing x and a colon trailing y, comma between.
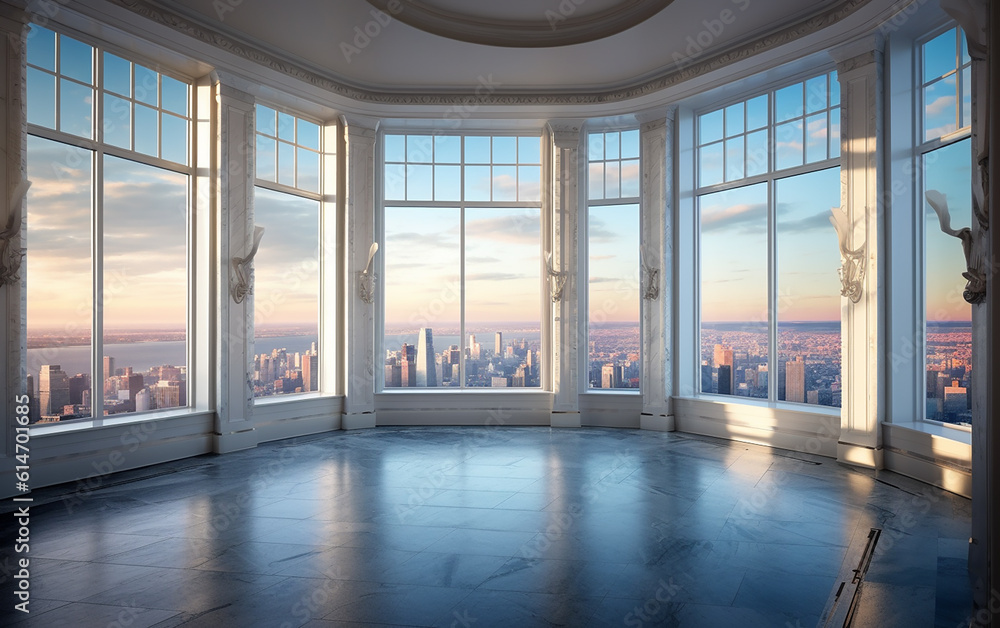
x: 242, y: 277
x: 11, y: 255
x: 975, y: 289
x: 367, y: 279
x: 650, y: 280
x: 852, y: 261
x: 557, y: 279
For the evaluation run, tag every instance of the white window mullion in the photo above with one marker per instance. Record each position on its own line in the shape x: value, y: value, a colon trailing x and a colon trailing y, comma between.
x: 97, y: 312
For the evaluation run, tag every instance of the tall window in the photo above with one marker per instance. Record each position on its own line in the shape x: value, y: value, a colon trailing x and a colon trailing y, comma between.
x: 462, y: 244
x: 944, y: 151
x: 107, y: 217
x: 613, y: 259
x: 767, y: 176
x: 287, y: 205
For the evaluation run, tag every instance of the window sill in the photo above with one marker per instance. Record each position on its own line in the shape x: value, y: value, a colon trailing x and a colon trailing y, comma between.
x: 282, y: 399
x: 51, y: 429
x: 958, y: 433
x: 785, y: 406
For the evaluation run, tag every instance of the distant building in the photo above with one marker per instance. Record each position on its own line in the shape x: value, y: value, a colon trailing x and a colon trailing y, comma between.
x: 498, y: 344
x: 310, y: 372
x: 725, y: 379
x: 795, y: 380
x: 53, y: 390
x: 426, y: 373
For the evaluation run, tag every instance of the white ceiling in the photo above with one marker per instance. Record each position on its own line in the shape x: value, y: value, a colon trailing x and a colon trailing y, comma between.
x: 322, y: 36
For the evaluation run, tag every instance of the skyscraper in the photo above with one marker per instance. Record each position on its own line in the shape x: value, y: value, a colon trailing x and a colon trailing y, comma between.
x: 109, y: 366
x: 498, y: 344
x: 795, y: 380
x: 310, y: 372
x: 725, y: 379
x: 53, y: 390
x: 426, y: 373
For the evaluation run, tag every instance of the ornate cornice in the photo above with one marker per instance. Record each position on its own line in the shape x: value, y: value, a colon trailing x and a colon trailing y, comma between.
x: 673, y: 75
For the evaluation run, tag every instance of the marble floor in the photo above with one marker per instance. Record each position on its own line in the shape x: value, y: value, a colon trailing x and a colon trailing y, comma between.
x: 463, y: 527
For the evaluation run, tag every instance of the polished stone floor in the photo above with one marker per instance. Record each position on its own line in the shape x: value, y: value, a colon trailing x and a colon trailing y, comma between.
x: 490, y: 527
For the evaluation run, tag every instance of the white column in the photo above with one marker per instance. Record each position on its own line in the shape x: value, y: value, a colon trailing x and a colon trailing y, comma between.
x: 359, y: 225
x: 567, y: 333
x: 12, y: 216
x: 656, y: 258
x: 859, y: 69
x: 234, y: 175
x: 986, y: 424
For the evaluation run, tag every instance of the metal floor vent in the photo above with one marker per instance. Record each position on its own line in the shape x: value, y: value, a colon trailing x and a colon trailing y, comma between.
x: 844, y: 604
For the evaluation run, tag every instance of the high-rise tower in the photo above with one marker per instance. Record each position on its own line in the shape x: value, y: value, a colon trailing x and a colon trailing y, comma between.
x: 53, y: 390
x: 426, y: 373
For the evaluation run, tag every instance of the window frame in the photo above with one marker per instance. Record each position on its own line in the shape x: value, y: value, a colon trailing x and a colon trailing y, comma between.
x: 99, y: 149
x: 382, y: 202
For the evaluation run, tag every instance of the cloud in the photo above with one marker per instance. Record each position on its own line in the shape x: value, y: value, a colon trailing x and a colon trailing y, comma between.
x: 507, y: 227
x: 815, y: 222
x: 752, y: 216
x: 495, y: 277
x: 941, y: 104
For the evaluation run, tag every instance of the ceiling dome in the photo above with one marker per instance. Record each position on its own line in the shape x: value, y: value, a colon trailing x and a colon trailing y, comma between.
x: 522, y: 23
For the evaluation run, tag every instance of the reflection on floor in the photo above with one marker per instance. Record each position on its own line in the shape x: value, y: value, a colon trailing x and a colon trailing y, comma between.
x: 491, y: 527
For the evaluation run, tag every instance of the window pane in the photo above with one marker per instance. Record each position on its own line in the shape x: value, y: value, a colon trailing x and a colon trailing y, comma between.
x: 477, y: 150
x: 529, y: 150
x: 422, y: 291
x: 734, y: 311
x: 757, y: 153
x: 630, y: 178
x: 788, y: 102
x: 307, y: 134
x: 966, y: 96
x: 710, y: 127
x: 145, y: 286
x: 41, y: 98
x: 477, y: 183
x: 265, y: 159
x: 502, y: 294
x: 834, y: 89
x: 145, y: 130
x: 613, y: 269
x: 447, y: 183
x: 57, y: 273
x: 117, y: 75
x: 835, y: 132
x: 117, y: 121
x: 939, y: 56
x: 504, y: 150
x: 175, y: 134
x: 265, y: 120
x: 734, y: 119
x: 808, y: 256
x: 419, y: 183
x: 395, y: 181
x: 76, y: 109
x: 504, y: 183
x: 448, y: 149
x: 175, y: 95
x: 595, y: 178
x: 529, y: 183
x: 146, y: 85
x: 612, y: 145
x: 757, y: 112
x: 395, y: 148
x: 286, y: 164
x: 286, y: 127
x: 630, y: 144
x: 948, y: 171
x: 76, y: 60
x: 816, y: 138
x: 710, y: 164
x: 419, y: 149
x: 940, y: 108
x: 308, y: 170
x: 42, y: 47
x: 612, y: 185
x: 596, y: 147
x: 788, y: 145
x: 734, y: 158
x: 286, y: 294
x: 816, y: 94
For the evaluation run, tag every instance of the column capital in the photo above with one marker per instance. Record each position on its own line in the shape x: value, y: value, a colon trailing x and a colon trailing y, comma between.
x: 565, y: 132
x: 13, y: 20
x: 360, y: 127
x: 858, y: 53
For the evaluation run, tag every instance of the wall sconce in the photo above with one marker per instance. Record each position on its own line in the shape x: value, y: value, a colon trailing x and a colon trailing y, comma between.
x: 852, y: 268
x: 650, y: 278
x: 975, y: 289
x: 366, y: 278
x: 557, y: 280
x: 11, y: 256
x: 242, y: 273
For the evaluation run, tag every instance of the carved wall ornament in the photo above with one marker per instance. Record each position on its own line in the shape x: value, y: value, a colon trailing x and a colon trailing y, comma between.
x: 367, y: 279
x: 242, y: 278
x: 852, y: 266
x: 975, y: 289
x: 557, y: 279
x: 650, y: 279
x: 11, y: 255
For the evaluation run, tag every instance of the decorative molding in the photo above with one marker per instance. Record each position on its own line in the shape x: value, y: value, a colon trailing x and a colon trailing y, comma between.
x: 673, y: 75
x: 367, y: 280
x: 650, y: 279
x: 558, y: 28
x: 557, y: 279
x: 11, y: 254
x: 975, y: 289
x: 242, y: 277
x: 852, y: 268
